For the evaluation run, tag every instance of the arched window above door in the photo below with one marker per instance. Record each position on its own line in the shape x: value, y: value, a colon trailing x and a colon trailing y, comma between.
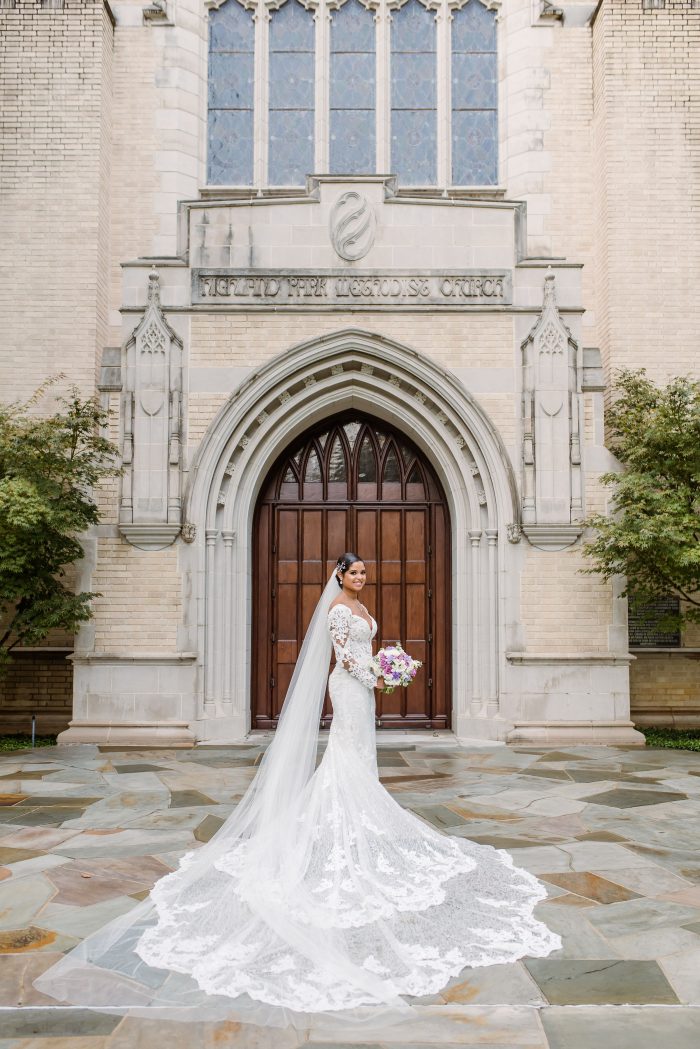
x: 353, y: 459
x: 352, y: 87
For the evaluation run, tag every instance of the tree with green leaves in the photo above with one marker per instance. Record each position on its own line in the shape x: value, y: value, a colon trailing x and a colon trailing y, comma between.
x: 653, y: 535
x: 49, y: 469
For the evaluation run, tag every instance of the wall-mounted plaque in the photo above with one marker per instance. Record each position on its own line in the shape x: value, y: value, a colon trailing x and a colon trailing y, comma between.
x: 647, y: 628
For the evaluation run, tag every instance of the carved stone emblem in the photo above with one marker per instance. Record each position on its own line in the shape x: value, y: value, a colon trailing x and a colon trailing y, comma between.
x: 514, y: 532
x: 353, y: 226
x: 189, y: 532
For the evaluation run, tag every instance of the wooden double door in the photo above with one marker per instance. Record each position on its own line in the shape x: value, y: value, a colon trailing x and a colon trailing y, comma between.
x: 354, y: 484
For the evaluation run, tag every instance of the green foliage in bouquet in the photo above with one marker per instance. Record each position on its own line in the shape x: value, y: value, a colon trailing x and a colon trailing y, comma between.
x: 653, y: 535
x: 49, y: 467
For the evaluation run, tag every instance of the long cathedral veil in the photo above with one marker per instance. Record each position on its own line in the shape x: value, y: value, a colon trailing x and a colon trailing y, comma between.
x: 108, y: 971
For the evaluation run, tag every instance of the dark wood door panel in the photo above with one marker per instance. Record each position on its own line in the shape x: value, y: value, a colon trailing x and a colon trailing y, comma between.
x: 360, y: 487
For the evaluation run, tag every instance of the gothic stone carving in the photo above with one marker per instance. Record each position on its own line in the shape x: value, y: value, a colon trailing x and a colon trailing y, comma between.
x: 551, y: 424
x: 150, y: 510
x: 353, y: 226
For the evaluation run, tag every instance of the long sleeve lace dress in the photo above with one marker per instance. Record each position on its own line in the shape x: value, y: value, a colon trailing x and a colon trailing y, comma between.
x: 363, y: 905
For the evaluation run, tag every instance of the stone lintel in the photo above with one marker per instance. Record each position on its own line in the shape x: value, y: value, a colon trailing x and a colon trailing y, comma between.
x: 576, y: 733
x: 135, y: 658
x: 140, y: 735
x: 591, y: 659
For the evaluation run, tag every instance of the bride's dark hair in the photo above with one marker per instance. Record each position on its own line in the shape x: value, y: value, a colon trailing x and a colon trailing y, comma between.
x: 344, y: 562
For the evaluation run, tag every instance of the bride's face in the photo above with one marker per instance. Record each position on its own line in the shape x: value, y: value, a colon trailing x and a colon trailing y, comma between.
x: 355, y: 577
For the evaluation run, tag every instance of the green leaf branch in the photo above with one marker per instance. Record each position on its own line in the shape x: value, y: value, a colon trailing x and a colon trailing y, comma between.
x: 652, y: 536
x: 50, y: 468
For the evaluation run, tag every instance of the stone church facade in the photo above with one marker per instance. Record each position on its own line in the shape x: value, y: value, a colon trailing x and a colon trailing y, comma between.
x: 350, y: 273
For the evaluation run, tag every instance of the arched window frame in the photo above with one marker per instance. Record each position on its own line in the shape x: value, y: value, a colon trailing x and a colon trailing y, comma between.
x: 322, y: 12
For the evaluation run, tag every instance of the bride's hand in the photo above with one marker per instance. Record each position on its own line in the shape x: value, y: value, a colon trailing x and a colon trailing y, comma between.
x: 380, y: 684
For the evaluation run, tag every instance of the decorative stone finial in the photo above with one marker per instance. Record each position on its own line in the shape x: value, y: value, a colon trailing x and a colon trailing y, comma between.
x: 550, y: 294
x: 154, y: 287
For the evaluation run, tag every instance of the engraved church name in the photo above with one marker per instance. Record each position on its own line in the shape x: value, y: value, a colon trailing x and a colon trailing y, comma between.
x: 328, y: 288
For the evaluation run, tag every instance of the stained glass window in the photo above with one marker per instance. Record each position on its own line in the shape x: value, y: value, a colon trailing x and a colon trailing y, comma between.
x: 337, y: 470
x: 414, y: 94
x: 292, y: 78
x: 367, y: 466
x: 313, y: 468
x: 231, y: 94
x: 352, y: 90
x: 342, y: 52
x: 474, y: 96
x: 391, y: 467
x: 351, y: 431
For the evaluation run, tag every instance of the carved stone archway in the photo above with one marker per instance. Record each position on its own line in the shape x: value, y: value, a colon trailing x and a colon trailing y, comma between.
x: 351, y: 369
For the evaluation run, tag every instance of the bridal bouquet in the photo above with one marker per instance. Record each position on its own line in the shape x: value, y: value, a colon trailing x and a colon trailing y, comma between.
x: 395, y: 666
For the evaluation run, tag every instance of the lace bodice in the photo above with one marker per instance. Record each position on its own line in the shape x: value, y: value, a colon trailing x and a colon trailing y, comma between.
x: 352, y: 643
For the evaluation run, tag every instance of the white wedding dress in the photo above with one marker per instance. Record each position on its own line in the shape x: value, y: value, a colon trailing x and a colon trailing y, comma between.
x: 362, y: 904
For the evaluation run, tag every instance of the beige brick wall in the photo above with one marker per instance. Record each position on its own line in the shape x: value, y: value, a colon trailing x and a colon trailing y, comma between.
x: 203, y: 408
x: 646, y: 104
x: 55, y: 87
x: 454, y: 341
x: 38, y: 683
x: 563, y: 610
x: 141, y: 604
x: 570, y: 218
x: 646, y: 113
x: 134, y: 181
x: 107, y: 494
x: 665, y: 688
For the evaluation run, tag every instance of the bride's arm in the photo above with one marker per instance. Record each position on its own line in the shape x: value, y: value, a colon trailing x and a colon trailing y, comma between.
x: 339, y: 626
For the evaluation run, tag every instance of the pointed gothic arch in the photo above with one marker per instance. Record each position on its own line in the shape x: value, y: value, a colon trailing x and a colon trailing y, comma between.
x: 351, y: 369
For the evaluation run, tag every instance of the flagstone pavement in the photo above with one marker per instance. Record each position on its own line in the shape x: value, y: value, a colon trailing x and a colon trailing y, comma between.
x: 614, y: 833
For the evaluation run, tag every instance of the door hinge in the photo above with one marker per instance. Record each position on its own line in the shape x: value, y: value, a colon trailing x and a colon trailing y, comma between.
x: 430, y: 682
x: 430, y: 593
x: 430, y: 637
x: 430, y: 549
x: 272, y: 637
x: 272, y: 681
x: 274, y: 592
x: 274, y: 548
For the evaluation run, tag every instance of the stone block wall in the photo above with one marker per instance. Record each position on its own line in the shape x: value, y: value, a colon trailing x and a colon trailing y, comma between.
x: 646, y: 139
x: 55, y: 122
x: 104, y: 131
x: 646, y: 120
x: 133, y: 180
x: 56, y: 130
x: 140, y: 604
x: 37, y: 682
x: 665, y: 688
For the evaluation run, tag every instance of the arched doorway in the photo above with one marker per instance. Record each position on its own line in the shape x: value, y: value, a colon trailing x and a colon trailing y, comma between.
x: 353, y: 483
x: 352, y: 371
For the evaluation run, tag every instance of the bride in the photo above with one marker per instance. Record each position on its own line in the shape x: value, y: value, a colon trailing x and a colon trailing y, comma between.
x: 320, y: 894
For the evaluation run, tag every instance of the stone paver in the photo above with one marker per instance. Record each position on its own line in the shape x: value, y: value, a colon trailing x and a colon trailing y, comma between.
x: 613, y: 834
x: 621, y: 1028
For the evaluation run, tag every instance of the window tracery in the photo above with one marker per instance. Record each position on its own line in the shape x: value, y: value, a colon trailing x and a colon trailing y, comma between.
x: 352, y: 87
